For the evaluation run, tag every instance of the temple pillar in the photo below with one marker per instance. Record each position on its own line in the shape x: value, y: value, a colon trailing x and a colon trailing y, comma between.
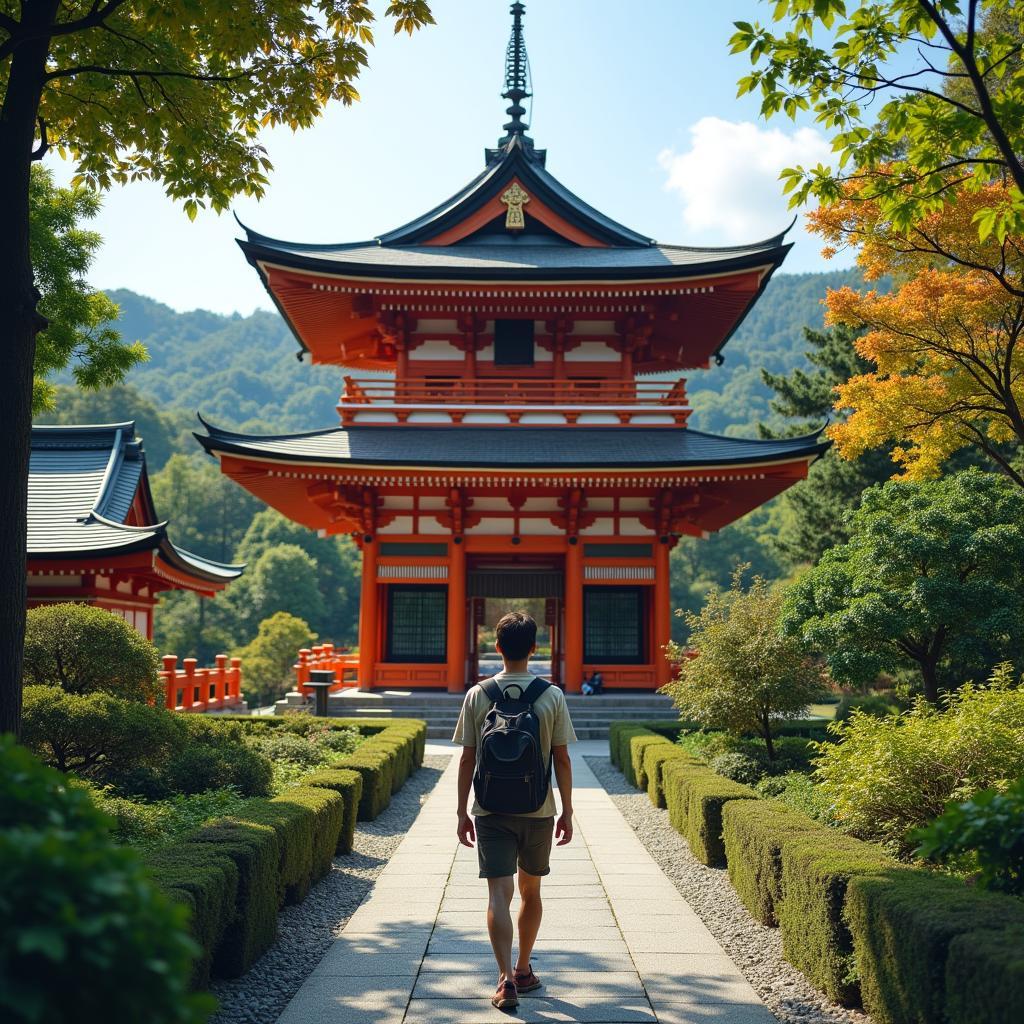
x: 662, y: 613
x: 573, y: 639
x: 456, y: 617
x: 368, y: 616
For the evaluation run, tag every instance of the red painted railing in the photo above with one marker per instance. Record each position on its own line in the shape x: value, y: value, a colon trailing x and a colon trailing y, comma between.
x: 201, y: 689
x: 327, y: 657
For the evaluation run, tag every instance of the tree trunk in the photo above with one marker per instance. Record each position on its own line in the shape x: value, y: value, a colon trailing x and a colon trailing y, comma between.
x: 930, y: 677
x: 20, y: 322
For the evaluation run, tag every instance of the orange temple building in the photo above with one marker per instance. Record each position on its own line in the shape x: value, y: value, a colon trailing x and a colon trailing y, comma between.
x: 527, y: 437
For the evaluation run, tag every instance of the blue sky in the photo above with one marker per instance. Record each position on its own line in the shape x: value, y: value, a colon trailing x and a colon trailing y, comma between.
x: 634, y: 102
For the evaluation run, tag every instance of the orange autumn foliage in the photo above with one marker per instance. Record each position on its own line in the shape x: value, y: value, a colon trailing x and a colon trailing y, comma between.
x: 946, y: 341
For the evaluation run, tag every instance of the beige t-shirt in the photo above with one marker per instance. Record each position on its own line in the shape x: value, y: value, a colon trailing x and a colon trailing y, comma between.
x: 552, y: 714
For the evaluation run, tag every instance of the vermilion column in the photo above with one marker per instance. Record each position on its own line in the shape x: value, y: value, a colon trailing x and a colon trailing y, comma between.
x: 456, y: 617
x: 573, y: 639
x: 368, y: 616
x: 662, y: 614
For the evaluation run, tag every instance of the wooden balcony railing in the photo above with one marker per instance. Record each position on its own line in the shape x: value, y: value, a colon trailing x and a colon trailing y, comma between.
x: 326, y: 656
x: 381, y: 400
x: 201, y: 689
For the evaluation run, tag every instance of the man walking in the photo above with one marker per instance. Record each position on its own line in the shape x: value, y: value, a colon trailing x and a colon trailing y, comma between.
x: 507, y: 724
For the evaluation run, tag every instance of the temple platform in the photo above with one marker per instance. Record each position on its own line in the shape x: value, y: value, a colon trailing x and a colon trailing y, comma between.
x: 591, y: 716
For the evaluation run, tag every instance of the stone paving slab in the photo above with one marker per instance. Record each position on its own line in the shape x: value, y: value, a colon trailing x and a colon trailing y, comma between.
x: 619, y: 945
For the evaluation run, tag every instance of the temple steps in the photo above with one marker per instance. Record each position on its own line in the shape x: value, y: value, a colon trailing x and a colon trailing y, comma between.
x: 591, y: 716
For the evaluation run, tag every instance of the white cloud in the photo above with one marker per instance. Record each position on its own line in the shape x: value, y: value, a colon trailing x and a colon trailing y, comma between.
x: 728, y: 179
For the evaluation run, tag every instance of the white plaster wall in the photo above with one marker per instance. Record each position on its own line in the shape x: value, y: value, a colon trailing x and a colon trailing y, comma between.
x: 593, y: 352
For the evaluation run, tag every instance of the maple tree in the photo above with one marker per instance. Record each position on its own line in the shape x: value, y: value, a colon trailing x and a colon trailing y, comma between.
x: 175, y: 91
x: 946, y: 343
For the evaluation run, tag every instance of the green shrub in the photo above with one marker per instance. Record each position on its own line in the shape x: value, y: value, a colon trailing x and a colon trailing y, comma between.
x: 655, y: 758
x: 350, y: 785
x: 753, y: 832
x: 985, y: 835
x: 739, y: 767
x: 288, y: 746
x: 339, y: 741
x: 871, y: 704
x: 377, y: 767
x: 985, y: 977
x: 634, y: 768
x: 86, y: 935
x: 816, y: 869
x: 624, y: 739
x: 705, y: 794
x: 798, y: 792
x: 255, y: 851
x: 902, y: 924
x: 207, y: 883
x: 891, y: 775
x: 98, y: 737
x: 83, y: 650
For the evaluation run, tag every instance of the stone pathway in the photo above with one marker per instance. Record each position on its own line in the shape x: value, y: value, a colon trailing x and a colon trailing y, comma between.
x: 618, y: 943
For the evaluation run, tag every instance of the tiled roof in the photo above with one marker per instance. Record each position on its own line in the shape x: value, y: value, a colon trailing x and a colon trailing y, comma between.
x: 535, y: 448
x: 82, y: 483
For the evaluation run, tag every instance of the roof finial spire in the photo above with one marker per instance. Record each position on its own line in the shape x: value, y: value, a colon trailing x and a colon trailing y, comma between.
x: 517, y: 77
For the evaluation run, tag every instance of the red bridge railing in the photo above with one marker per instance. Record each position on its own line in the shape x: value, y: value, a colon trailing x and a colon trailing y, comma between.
x: 190, y: 688
x: 338, y: 660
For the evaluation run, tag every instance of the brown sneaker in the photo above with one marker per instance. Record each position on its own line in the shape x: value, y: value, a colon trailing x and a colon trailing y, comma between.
x: 527, y: 981
x: 506, y: 997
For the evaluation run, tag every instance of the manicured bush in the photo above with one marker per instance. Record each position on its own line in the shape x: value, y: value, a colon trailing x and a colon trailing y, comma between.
x: 816, y: 869
x: 655, y: 758
x: 624, y: 739
x: 739, y: 767
x: 903, y: 923
x: 207, y: 883
x: 255, y: 851
x: 86, y: 935
x: 83, y: 649
x: 704, y: 793
x: 99, y: 737
x: 634, y: 770
x: 985, y: 977
x: 308, y: 823
x: 753, y: 832
x: 278, y: 745
x: 349, y: 784
x: 889, y: 776
x: 377, y: 767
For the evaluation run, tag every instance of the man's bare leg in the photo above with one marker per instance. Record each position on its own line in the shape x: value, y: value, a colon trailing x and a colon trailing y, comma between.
x: 499, y: 922
x: 530, y: 912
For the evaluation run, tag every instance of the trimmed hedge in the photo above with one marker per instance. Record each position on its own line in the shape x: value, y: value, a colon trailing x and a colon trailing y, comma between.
x: 349, y: 784
x: 985, y: 977
x: 816, y: 870
x: 655, y: 757
x: 255, y: 851
x: 753, y: 832
x: 637, y: 745
x: 903, y: 925
x: 695, y: 796
x: 206, y: 881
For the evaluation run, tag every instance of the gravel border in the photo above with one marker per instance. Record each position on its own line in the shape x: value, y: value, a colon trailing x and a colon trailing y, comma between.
x: 755, y: 949
x: 305, y: 931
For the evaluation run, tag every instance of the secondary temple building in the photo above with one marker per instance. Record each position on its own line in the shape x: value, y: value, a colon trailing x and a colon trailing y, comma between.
x: 514, y: 422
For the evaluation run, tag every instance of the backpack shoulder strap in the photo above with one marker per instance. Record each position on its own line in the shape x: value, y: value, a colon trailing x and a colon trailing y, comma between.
x: 535, y: 689
x: 494, y: 692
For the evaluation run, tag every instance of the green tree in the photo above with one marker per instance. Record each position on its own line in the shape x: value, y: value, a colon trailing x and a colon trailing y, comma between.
x: 955, y: 117
x: 748, y: 675
x: 930, y: 579
x: 208, y: 512
x: 811, y: 516
x: 191, y: 626
x: 79, y: 319
x: 159, y: 90
x: 83, y: 650
x: 267, y: 662
x: 337, y: 568
x: 282, y: 580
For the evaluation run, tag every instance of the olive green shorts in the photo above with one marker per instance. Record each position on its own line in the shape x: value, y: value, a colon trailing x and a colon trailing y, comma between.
x: 504, y: 841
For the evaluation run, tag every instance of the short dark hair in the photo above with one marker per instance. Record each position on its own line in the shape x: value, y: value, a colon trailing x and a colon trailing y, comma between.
x: 516, y: 634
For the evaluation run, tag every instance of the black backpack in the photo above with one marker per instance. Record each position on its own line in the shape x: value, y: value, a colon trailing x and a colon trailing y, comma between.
x: 511, y: 776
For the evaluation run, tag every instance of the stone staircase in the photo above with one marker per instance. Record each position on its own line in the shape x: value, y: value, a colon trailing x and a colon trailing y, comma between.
x: 591, y: 716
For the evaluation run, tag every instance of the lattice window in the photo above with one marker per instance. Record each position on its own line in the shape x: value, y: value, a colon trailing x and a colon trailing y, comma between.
x: 417, y: 627
x: 613, y: 625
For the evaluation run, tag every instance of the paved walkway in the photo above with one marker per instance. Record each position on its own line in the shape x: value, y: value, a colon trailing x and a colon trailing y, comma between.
x: 618, y: 943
